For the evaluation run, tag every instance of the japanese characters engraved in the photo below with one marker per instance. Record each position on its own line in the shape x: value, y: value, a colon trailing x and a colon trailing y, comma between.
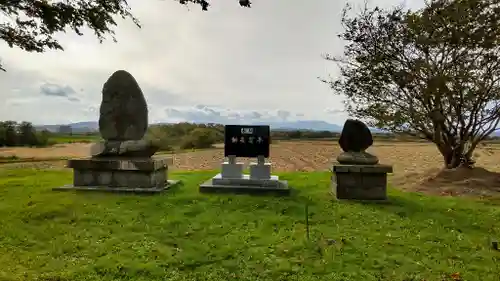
x: 246, y: 141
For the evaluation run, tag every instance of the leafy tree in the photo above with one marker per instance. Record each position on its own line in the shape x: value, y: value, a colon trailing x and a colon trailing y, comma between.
x: 19, y: 134
x: 27, y: 134
x: 295, y: 134
x: 10, y: 133
x: 33, y: 23
x: 201, y: 138
x: 43, y: 138
x: 432, y: 73
x: 65, y: 129
x: 3, y: 137
x: 159, y: 133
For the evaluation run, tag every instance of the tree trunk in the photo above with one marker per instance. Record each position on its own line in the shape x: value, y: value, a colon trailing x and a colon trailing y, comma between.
x: 452, y: 158
x: 456, y: 157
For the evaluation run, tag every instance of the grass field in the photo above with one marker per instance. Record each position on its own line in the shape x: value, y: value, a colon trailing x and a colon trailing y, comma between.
x: 184, y: 235
x: 59, y: 139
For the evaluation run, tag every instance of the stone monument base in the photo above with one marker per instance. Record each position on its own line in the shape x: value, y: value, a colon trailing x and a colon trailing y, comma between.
x: 246, y: 184
x: 137, y: 175
x: 232, y: 170
x: 360, y: 182
x: 260, y: 170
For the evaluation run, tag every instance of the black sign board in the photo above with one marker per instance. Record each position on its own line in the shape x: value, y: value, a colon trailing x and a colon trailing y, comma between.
x: 246, y: 141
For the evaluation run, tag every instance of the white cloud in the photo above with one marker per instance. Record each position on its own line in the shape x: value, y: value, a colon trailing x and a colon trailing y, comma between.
x: 244, y: 62
x: 335, y: 111
x: 211, y: 114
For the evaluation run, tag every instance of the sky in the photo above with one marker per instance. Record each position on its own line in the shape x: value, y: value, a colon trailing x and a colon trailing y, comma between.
x: 228, y: 64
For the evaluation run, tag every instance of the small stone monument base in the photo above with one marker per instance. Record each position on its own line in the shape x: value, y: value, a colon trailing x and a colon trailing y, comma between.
x: 232, y: 170
x: 360, y: 182
x: 260, y: 170
x: 137, y: 175
x: 259, y: 181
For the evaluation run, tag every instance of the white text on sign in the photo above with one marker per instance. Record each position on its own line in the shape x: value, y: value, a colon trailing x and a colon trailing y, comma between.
x: 247, y: 131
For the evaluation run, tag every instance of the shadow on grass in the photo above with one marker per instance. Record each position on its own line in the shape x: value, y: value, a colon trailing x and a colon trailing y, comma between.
x: 451, y: 213
x: 401, y: 206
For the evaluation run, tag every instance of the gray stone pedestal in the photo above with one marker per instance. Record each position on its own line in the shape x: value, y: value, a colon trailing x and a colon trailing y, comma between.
x: 360, y: 182
x: 260, y: 180
x: 260, y: 169
x: 232, y: 170
x: 139, y: 175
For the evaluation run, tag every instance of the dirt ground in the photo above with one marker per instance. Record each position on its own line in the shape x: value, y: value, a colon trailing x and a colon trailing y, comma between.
x: 55, y: 151
x: 417, y: 166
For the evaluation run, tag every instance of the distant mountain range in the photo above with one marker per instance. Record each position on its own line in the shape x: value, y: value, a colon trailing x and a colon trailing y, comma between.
x: 313, y: 125
x: 79, y: 127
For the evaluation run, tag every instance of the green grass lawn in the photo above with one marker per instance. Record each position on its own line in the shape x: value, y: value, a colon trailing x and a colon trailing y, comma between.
x: 15, y: 159
x: 184, y: 235
x: 58, y: 139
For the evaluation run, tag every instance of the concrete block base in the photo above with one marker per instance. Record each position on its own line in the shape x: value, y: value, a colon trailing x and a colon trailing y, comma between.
x: 246, y: 185
x: 260, y: 171
x: 232, y: 170
x: 136, y: 175
x: 360, y: 182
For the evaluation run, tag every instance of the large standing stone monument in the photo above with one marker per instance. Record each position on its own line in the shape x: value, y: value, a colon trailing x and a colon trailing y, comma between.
x: 358, y: 175
x: 251, y: 142
x: 123, y: 162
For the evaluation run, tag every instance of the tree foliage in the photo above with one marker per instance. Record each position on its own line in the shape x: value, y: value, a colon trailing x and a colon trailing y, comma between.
x: 186, y: 135
x: 21, y: 134
x: 432, y: 73
x: 201, y: 138
x: 32, y: 24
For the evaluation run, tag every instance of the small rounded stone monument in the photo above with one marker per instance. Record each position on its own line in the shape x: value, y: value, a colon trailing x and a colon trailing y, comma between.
x: 354, y: 140
x: 358, y: 176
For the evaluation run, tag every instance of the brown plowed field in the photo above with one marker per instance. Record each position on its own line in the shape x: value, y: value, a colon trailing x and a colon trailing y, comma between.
x: 416, y: 165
